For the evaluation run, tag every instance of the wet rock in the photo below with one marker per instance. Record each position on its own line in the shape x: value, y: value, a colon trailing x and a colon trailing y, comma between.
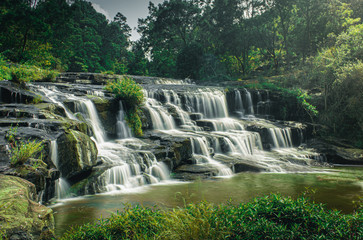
x: 77, y: 154
x: 173, y: 151
x: 21, y: 216
x: 337, y: 152
x: 240, y: 165
x: 107, y: 110
x: 86, y: 78
x: 193, y: 171
x: 12, y: 93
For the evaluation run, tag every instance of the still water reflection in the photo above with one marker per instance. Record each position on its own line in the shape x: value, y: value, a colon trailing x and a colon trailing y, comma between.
x: 336, y: 190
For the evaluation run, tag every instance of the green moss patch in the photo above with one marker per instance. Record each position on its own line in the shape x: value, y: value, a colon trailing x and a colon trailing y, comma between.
x: 18, y: 209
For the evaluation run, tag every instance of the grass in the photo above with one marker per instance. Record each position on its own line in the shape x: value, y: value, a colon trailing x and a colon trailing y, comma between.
x: 21, y: 151
x: 269, y: 217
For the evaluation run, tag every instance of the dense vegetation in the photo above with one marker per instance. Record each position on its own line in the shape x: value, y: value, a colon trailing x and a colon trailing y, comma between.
x: 312, y: 45
x: 131, y: 94
x: 270, y: 217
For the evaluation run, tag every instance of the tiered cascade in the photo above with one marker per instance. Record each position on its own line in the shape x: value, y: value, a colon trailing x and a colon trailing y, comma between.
x: 198, y: 117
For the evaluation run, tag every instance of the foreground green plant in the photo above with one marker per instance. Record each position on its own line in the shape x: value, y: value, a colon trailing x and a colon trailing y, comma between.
x: 21, y: 151
x: 269, y: 217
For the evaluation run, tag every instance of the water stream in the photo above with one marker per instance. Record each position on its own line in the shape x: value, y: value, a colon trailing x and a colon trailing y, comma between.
x: 225, y: 137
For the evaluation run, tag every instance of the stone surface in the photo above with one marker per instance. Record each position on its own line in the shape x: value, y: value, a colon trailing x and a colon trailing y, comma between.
x: 21, y: 217
x: 337, y: 152
x: 77, y: 154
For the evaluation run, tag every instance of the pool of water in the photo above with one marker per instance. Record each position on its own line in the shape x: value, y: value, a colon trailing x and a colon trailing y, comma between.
x: 337, y: 188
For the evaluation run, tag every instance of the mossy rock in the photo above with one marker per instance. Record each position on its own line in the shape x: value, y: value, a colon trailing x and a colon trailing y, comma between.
x: 77, y: 153
x: 107, y: 110
x: 20, y: 214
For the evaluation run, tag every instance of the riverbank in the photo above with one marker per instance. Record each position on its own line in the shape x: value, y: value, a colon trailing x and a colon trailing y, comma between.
x: 269, y: 217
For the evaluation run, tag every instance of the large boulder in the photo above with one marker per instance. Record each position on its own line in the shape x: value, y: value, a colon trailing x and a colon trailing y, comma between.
x: 77, y: 154
x: 21, y: 217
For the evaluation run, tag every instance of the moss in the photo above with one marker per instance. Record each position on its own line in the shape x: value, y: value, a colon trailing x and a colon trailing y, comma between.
x: 76, y: 152
x: 18, y: 209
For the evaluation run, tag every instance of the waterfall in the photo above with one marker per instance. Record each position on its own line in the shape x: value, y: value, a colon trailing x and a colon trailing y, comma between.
x: 55, y: 96
x: 191, y: 113
x: 201, y: 153
x: 125, y: 171
x: 249, y: 103
x: 281, y: 137
x: 211, y: 103
x: 87, y: 107
x: 61, y: 188
x: 123, y: 130
x: 54, y: 152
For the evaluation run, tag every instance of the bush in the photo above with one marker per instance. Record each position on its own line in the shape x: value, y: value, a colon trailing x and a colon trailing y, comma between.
x: 23, y: 74
x: 131, y: 94
x: 21, y: 151
x: 4, y: 69
x: 127, y: 90
x: 134, y: 122
x: 270, y: 217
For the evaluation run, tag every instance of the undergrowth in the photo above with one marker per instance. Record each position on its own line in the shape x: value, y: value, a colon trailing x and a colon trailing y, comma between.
x: 269, y: 217
x: 21, y: 151
x: 22, y: 74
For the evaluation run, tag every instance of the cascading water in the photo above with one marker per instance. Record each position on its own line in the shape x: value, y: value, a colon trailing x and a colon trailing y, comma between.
x: 123, y: 130
x: 215, y: 136
x: 54, y: 152
x: 61, y: 188
x: 125, y: 171
x: 281, y: 137
x: 198, y: 114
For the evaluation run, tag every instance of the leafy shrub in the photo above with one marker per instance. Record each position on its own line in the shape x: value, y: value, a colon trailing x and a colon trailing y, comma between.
x: 131, y: 94
x: 4, y: 69
x: 21, y: 151
x: 126, y: 90
x: 23, y: 74
x: 269, y: 217
x: 134, y: 121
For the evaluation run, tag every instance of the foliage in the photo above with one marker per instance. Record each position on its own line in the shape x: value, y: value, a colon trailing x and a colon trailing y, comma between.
x: 62, y: 35
x: 126, y: 90
x: 25, y: 73
x: 4, y: 69
x: 134, y: 122
x: 21, y: 151
x: 269, y: 217
x: 132, y: 95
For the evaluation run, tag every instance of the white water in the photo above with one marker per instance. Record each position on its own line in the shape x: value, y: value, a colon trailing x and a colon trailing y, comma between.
x: 125, y: 172
x: 214, y: 139
x: 61, y: 188
x: 224, y: 137
x: 54, y: 152
x: 123, y: 130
